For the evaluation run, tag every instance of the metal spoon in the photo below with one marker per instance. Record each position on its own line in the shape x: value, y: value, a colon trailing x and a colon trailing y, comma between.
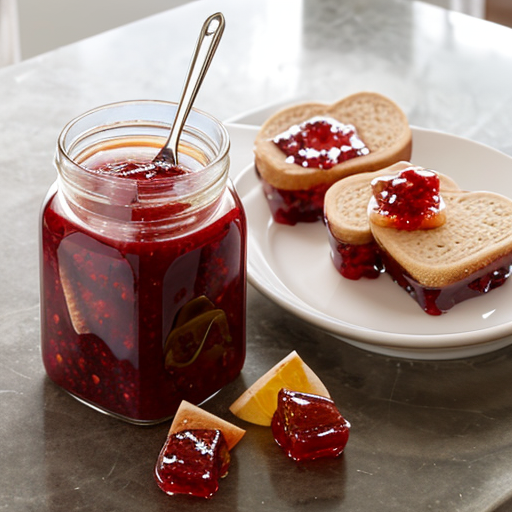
x: 206, y: 45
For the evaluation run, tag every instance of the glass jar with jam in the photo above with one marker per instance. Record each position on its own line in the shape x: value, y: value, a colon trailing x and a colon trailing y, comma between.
x: 143, y: 274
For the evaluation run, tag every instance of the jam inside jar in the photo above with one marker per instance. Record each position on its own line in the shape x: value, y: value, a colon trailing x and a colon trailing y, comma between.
x: 143, y: 278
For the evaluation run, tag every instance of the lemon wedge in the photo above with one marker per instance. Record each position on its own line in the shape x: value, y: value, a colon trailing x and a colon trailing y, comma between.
x: 258, y: 403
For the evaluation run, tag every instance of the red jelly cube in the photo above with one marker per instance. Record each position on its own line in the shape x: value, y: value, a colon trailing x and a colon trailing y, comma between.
x: 192, y: 461
x: 309, y: 426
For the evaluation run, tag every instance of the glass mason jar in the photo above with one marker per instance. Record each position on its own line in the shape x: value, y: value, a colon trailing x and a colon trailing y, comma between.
x: 143, y: 281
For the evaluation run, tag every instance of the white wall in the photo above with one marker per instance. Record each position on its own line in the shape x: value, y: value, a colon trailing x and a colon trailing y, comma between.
x: 48, y: 24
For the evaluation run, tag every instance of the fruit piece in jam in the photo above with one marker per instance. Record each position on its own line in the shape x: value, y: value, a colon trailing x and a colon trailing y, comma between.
x: 320, y: 142
x: 192, y: 462
x: 354, y: 261
x: 409, y: 200
x: 309, y: 426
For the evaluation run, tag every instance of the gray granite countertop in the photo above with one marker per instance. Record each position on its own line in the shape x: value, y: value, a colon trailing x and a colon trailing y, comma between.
x: 426, y: 435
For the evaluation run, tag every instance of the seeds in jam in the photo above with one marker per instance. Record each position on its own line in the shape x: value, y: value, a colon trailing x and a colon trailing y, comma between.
x: 309, y: 426
x: 320, y: 142
x: 409, y: 200
x: 192, y: 462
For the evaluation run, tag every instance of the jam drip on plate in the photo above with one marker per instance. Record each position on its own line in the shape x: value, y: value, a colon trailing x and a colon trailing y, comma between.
x: 320, y: 142
x: 309, y: 426
x: 192, y: 462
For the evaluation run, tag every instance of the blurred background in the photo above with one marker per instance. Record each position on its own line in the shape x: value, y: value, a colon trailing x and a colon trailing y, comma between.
x: 31, y: 27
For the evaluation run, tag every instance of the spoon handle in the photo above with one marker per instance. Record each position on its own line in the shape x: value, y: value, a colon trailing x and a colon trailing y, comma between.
x: 206, y: 45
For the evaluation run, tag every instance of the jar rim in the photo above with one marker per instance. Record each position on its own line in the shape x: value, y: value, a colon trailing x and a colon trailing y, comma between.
x: 161, y: 203
x: 162, y: 181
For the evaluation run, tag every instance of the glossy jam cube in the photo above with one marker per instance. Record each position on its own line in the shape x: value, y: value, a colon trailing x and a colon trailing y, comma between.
x: 309, y: 426
x: 192, y: 462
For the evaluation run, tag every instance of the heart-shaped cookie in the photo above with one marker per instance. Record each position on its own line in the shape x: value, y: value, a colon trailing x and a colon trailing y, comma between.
x: 469, y: 255
x: 380, y: 124
x: 353, y: 249
x: 477, y: 233
x: 302, y: 150
x: 346, y: 203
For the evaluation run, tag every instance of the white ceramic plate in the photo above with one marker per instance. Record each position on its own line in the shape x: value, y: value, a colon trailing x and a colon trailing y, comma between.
x: 291, y: 265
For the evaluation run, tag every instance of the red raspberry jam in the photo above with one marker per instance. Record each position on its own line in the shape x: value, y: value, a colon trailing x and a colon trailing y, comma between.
x: 293, y: 206
x: 407, y: 201
x: 309, y: 426
x: 192, y: 462
x: 320, y: 142
x: 436, y: 301
x: 355, y: 261
x: 110, y: 307
x: 143, y: 280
